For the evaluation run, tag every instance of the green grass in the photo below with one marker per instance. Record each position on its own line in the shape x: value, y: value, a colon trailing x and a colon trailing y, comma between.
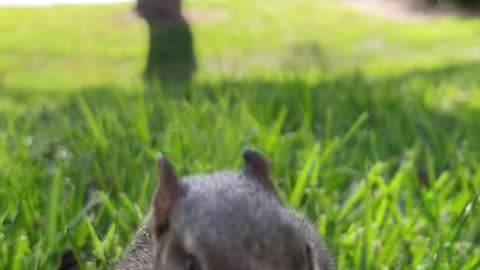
x: 372, y: 128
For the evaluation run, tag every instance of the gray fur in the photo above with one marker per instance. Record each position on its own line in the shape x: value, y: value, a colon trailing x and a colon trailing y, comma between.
x: 139, y: 253
x: 229, y: 221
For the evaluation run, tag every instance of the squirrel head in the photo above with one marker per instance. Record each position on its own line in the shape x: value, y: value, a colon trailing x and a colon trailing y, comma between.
x: 229, y: 221
x: 154, y: 11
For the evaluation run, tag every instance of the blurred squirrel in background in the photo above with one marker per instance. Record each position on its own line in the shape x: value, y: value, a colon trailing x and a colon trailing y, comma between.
x: 224, y: 221
x: 171, y: 58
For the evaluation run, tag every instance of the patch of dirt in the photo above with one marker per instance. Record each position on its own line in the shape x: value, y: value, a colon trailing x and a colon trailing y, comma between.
x: 193, y: 15
x: 409, y: 11
x: 205, y: 15
x: 126, y: 18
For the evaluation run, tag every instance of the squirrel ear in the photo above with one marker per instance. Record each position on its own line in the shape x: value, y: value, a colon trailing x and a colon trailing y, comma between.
x: 166, y: 195
x: 257, y: 166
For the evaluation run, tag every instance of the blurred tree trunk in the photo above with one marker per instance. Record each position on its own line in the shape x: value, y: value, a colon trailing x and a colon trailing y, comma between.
x: 171, y: 58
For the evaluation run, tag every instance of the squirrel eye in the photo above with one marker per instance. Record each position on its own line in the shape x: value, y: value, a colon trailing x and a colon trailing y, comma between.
x: 192, y: 264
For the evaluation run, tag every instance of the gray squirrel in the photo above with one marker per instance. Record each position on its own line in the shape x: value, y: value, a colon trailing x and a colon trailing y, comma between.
x: 224, y: 221
x: 171, y: 58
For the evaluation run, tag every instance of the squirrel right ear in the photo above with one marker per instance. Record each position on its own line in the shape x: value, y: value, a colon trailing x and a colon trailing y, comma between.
x: 167, y: 193
x: 256, y: 165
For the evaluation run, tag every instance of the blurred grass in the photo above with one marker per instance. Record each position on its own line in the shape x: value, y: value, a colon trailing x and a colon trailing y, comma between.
x: 371, y: 126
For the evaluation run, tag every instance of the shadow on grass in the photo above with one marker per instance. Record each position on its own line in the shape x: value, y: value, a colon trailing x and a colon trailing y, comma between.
x: 104, y: 137
x: 402, y: 110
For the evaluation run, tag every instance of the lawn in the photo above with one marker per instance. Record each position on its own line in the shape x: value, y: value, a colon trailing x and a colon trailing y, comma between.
x: 371, y: 126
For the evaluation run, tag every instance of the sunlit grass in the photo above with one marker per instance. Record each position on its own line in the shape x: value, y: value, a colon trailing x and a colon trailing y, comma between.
x: 371, y: 126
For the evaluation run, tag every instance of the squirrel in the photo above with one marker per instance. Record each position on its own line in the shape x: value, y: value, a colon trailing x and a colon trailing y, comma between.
x: 171, y: 58
x: 224, y: 221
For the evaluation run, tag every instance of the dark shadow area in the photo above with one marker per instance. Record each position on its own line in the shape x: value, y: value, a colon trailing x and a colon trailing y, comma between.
x: 461, y: 5
x: 421, y: 10
x: 68, y: 261
x: 462, y: 9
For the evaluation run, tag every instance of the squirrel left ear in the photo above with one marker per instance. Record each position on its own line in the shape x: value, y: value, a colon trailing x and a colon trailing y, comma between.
x: 257, y: 166
x: 166, y: 196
